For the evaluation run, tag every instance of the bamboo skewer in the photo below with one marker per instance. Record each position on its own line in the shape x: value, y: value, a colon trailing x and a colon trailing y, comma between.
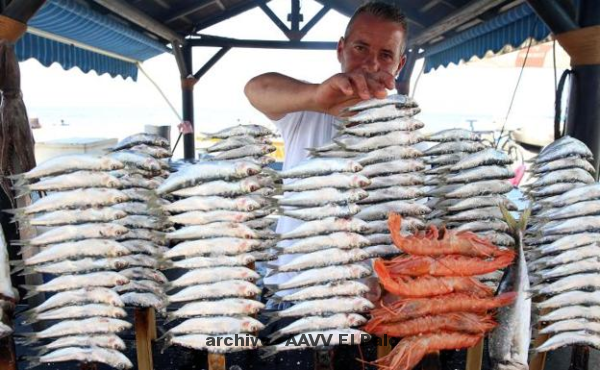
x: 475, y: 356
x: 145, y: 333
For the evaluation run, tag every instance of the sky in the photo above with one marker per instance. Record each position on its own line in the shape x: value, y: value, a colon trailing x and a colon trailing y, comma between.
x: 101, y: 106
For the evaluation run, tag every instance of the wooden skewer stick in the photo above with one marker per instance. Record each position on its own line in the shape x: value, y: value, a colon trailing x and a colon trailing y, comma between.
x: 538, y: 360
x: 145, y: 333
x: 475, y: 356
x: 88, y: 366
x: 383, y: 347
x: 216, y: 361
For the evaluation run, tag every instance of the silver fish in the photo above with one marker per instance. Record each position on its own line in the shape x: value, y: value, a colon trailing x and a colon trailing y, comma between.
x: 141, y: 273
x: 204, y: 262
x: 217, y: 325
x: 586, y: 208
x: 480, y: 188
x: 579, y: 194
x: 509, y: 341
x: 497, y: 238
x: 483, y: 158
x: 109, y: 341
x: 207, y: 171
x: 78, y: 266
x: 388, y: 154
x: 141, y: 260
x: 445, y: 159
x: 70, y: 163
x: 333, y: 154
x: 142, y: 222
x: 261, y: 223
x: 571, y: 298
x: 455, y: 147
x: 207, y: 342
x: 393, y: 167
x: 223, y: 307
x: 393, y: 193
x: 317, y: 213
x: 385, y: 113
x: 220, y: 289
x: 77, y: 312
x: 326, y: 226
x: 568, y: 256
x: 240, y: 130
x: 235, y: 142
x: 569, y: 283
x: 561, y: 164
x: 83, y: 198
x: 326, y: 306
x: 480, y: 174
x: 83, y: 248
x: 477, y: 214
x: 483, y: 225
x: 454, y: 134
x: 571, y: 226
x: 572, y: 325
x: 382, y: 141
x: 146, y: 300
x: 316, y: 339
x: 409, y: 224
x: 144, y: 247
x: 94, y: 325
x: 217, y: 230
x: 226, y: 188
x: 555, y: 189
x: 143, y: 234
x: 324, y: 275
x: 71, y: 282
x: 573, y: 149
x: 569, y: 338
x: 327, y: 257
x: 138, y: 208
x: 77, y: 232
x: 405, y: 179
x: 315, y: 198
x: 212, y: 203
x: 138, y: 181
x: 312, y: 323
x: 99, y: 355
x: 393, y: 99
x: 585, y: 265
x: 155, y: 151
x: 336, y: 180
x: 561, y: 176
x: 78, y: 297
x: 572, y: 312
x: 380, y: 211
x: 202, y: 218
x: 341, y: 240
x: 383, y: 127
x: 70, y: 181
x: 142, y: 286
x: 215, y: 247
x: 333, y: 289
x: 212, y: 275
x: 80, y: 216
x: 137, y: 159
x: 142, y: 139
x: 320, y: 167
x: 245, y: 151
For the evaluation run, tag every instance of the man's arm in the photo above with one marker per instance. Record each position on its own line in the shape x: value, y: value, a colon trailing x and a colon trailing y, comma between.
x: 276, y: 95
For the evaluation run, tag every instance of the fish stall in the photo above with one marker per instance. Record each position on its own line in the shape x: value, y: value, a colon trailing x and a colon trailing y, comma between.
x: 408, y: 247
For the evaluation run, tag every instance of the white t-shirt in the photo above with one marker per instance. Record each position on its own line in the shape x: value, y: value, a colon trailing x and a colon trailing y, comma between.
x: 300, y: 130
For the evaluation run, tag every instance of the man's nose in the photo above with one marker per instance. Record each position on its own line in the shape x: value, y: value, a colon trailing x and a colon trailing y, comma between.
x: 371, y: 64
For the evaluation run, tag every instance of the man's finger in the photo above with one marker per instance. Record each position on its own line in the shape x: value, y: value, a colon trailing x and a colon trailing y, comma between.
x: 386, y: 79
x: 376, y: 88
x: 360, y: 84
x: 344, y: 85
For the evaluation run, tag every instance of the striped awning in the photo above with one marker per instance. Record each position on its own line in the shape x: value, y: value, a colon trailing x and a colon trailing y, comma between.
x: 73, y: 35
x: 511, y: 28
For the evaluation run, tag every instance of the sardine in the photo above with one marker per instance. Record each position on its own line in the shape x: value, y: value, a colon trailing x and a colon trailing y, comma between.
x: 477, y: 214
x: 336, y: 180
x: 326, y: 226
x: 445, y: 159
x: 70, y: 163
x: 572, y: 325
x: 207, y: 171
x: 213, y: 275
x: 235, y: 142
x: 561, y: 164
x: 383, y: 127
x: 215, y: 247
x: 324, y: 275
x: 226, y: 188
x: 393, y: 193
x: 381, y: 210
x: 572, y: 149
x: 405, y: 179
x: 94, y: 325
x: 204, y: 262
x: 480, y: 174
x: 312, y: 323
x: 509, y: 341
x: 141, y: 246
x: 395, y: 100
x: 224, y: 307
x: 63, y: 234
x: 217, y: 230
x: 317, y: 339
x: 327, y: 257
x: 569, y: 338
x: 217, y: 325
x: 155, y: 151
x: 77, y: 312
x: 321, y: 197
x: 141, y: 273
x: 497, y: 238
x: 142, y: 222
x: 388, y: 154
x: 72, y: 217
x: 142, y: 286
x: 326, y: 306
x: 217, y: 343
x: 221, y: 289
x: 138, y: 208
x: 480, y: 188
x: 455, y: 147
x: 83, y: 248
x: 321, y: 167
x: 106, y: 356
x: 71, y: 282
x: 337, y: 288
x: 109, y: 341
x: 569, y: 283
x: 381, y: 141
x: 317, y: 213
x: 586, y: 265
x: 394, y: 167
x: 146, y: 300
x: 409, y: 225
x: 245, y: 151
x: 563, y: 176
x: 138, y: 181
x: 566, y: 257
x: 240, y: 130
x: 340, y: 240
x: 78, y: 297
x: 570, y: 299
x: 571, y: 312
x: 213, y: 203
x: 586, y: 208
x: 579, y: 194
x: 554, y: 189
x: 483, y: 158
x: 483, y: 225
x: 454, y: 134
x: 136, y: 159
x: 78, y: 266
x: 571, y: 226
x: 142, y: 139
x: 71, y: 181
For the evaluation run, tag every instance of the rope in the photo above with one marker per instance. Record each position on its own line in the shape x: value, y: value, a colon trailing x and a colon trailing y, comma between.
x: 558, y: 104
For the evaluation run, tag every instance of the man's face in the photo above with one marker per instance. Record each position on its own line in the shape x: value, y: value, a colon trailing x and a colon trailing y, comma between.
x: 372, y: 45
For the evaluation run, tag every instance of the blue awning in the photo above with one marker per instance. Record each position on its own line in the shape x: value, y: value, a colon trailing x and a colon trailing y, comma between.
x: 73, y: 35
x: 512, y: 28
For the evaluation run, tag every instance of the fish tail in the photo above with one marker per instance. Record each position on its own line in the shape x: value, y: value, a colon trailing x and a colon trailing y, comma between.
x: 167, y: 339
x: 22, y: 190
x: 342, y: 145
x: 26, y: 339
x: 268, y: 351
x: 17, y: 212
x: 18, y: 177
x: 169, y: 318
x: 32, y: 361
x: 272, y: 287
x: 271, y: 172
x: 31, y: 290
x: 275, y: 335
x: 21, y: 269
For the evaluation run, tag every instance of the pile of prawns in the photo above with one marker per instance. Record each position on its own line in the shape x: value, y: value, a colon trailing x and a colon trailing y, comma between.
x: 437, y: 303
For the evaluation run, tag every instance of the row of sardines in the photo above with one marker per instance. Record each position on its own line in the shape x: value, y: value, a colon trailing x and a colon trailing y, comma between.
x: 120, y: 230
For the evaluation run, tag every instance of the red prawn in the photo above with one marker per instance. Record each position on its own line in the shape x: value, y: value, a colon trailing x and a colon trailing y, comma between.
x: 453, y: 265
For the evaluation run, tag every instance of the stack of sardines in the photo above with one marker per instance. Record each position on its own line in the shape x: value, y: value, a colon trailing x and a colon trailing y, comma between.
x: 77, y: 231
x: 211, y: 248
x: 250, y: 143
x: 434, y: 301
x: 145, y: 157
x: 450, y: 147
x: 381, y: 133
x: 319, y: 263
x: 564, y: 261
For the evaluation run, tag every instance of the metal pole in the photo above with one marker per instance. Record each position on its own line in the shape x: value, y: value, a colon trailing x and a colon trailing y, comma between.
x: 22, y: 10
x: 187, y: 90
x: 554, y: 15
x: 403, y: 80
x: 584, y: 102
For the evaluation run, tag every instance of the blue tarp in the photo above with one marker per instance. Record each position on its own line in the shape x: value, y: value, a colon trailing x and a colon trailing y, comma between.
x: 512, y: 28
x: 72, y: 20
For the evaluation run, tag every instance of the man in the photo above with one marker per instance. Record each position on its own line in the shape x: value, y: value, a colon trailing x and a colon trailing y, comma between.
x: 371, y: 54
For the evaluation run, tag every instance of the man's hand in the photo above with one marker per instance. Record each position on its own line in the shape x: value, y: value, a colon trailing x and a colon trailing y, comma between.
x: 346, y: 89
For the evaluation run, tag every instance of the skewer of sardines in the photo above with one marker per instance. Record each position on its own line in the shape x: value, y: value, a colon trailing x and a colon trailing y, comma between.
x: 77, y: 241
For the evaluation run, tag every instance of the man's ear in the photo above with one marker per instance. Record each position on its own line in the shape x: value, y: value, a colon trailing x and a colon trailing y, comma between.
x: 340, y: 48
x: 401, y: 64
